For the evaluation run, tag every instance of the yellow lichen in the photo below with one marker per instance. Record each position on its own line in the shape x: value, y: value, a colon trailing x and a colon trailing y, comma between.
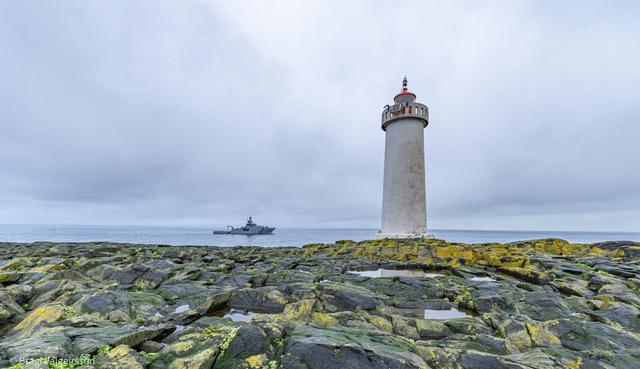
x: 256, y: 361
x: 519, y: 340
x: 381, y: 323
x: 41, y: 315
x: 532, y: 329
x: 118, y: 351
x: 324, y: 319
x: 277, y: 297
x: 300, y: 310
x: 4, y: 277
x: 184, y: 346
x: 605, y: 298
x: 227, y: 341
x: 455, y: 251
x: 575, y: 364
x: 596, y: 251
x: 189, y: 361
x: 15, y: 263
x: 49, y: 268
x: 541, y: 336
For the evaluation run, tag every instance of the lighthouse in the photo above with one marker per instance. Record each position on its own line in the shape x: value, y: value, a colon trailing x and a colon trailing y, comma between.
x: 404, y: 201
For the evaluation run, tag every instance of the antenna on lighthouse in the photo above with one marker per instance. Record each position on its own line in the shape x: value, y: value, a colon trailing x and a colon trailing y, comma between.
x: 404, y: 82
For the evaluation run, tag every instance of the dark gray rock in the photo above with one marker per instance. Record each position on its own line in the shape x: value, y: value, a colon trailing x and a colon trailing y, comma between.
x: 544, y: 305
x: 348, y: 349
x: 627, y: 317
x: 584, y: 335
x: 261, y: 299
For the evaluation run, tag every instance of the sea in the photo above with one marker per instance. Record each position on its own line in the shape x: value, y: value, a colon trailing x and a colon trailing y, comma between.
x: 281, y: 237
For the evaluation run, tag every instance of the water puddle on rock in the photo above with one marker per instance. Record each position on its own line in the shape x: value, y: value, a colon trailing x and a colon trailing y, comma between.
x: 444, y: 314
x: 239, y: 315
x: 181, y: 309
x: 433, y: 314
x: 389, y: 273
x: 482, y: 279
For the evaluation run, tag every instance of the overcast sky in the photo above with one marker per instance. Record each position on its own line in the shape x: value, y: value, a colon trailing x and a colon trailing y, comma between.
x: 204, y: 112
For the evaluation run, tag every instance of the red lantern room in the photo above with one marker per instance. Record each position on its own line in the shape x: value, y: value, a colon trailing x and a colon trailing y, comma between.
x: 405, y: 95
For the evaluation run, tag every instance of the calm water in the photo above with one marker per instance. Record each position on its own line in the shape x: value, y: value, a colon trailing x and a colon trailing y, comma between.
x: 281, y: 237
x: 389, y: 273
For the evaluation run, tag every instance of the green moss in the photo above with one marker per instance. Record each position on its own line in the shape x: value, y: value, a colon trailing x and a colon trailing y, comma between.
x: 210, y: 331
x: 149, y: 356
x: 104, y: 349
x: 227, y: 342
x: 139, y: 321
x: 69, y: 312
x: 464, y: 296
x: 15, y: 366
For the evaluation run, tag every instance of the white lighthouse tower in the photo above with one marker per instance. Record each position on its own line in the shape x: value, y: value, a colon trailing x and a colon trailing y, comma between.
x: 404, y: 202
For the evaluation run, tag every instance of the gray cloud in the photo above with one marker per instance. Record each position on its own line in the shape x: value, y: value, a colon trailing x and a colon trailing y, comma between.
x: 201, y: 112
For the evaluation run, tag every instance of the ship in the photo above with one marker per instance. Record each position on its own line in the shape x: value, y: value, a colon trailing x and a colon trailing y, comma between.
x: 249, y: 229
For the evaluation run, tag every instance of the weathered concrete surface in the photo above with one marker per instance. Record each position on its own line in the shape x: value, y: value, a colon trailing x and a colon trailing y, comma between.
x: 404, y: 203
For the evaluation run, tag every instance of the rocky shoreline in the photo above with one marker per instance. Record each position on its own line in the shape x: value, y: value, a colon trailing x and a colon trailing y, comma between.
x: 373, y: 304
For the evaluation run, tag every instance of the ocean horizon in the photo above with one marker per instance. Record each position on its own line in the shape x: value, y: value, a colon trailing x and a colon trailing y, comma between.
x: 202, y: 236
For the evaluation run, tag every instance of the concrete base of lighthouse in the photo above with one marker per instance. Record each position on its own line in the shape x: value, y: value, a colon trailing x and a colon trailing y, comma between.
x: 382, y: 236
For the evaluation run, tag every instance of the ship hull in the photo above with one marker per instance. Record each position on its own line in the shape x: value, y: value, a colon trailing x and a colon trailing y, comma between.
x: 248, y: 232
x: 249, y: 229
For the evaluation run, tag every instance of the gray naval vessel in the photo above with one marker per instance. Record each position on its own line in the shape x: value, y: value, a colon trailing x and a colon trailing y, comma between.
x: 249, y: 229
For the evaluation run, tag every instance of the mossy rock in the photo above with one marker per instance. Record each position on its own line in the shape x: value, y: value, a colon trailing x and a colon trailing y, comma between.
x: 121, y: 357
